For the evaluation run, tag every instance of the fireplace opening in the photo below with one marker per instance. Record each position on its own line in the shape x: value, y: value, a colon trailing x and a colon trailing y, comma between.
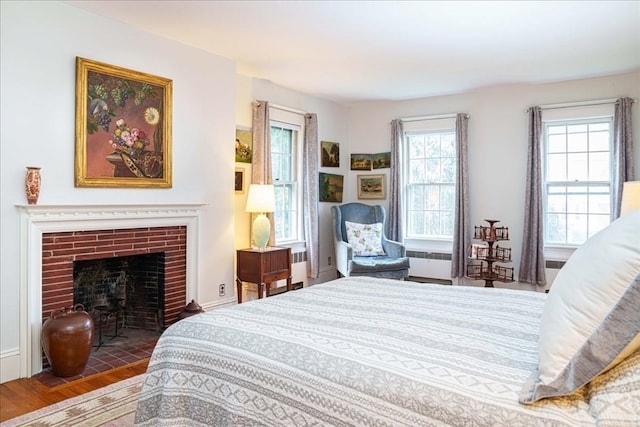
x: 122, y: 292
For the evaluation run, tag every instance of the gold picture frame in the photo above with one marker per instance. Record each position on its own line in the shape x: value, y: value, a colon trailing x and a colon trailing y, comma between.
x: 123, y: 127
x: 372, y: 187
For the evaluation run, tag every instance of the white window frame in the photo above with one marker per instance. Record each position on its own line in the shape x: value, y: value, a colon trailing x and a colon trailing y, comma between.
x: 295, y: 122
x: 413, y: 242
x: 570, y: 115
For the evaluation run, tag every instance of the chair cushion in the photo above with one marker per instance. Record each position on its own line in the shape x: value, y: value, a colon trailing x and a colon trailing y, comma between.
x: 366, y: 239
x: 590, y: 321
x: 373, y: 264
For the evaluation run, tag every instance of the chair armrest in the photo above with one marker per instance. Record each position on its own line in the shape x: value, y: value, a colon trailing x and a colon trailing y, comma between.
x: 393, y: 249
x: 344, y: 254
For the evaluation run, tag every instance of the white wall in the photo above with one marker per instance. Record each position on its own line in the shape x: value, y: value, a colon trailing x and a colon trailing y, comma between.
x: 497, y: 143
x: 39, y: 44
x: 332, y: 126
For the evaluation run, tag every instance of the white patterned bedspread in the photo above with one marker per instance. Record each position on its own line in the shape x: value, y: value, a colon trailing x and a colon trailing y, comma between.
x: 356, y: 352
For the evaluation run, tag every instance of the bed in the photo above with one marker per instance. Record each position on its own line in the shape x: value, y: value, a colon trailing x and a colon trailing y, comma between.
x: 362, y: 351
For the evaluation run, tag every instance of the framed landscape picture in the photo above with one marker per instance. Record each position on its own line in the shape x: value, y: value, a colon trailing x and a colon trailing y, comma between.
x: 371, y: 187
x: 331, y: 186
x: 123, y: 127
x: 381, y: 160
x: 330, y: 156
x: 361, y: 162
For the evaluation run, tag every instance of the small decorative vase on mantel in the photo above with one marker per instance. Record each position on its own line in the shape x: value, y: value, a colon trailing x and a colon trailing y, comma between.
x: 32, y: 183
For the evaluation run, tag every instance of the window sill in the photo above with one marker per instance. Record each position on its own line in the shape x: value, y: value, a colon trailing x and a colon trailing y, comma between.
x: 297, y: 246
x: 426, y: 245
x: 558, y: 253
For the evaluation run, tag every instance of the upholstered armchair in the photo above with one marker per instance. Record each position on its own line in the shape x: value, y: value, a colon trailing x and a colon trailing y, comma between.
x: 363, y: 257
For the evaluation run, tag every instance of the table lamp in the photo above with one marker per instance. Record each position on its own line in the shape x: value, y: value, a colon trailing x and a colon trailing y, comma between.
x: 630, y: 197
x: 261, y: 199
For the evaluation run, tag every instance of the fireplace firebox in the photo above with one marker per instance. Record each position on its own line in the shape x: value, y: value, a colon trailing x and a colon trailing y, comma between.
x: 126, y: 291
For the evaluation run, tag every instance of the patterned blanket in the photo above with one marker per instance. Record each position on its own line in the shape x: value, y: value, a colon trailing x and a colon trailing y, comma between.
x: 357, y: 352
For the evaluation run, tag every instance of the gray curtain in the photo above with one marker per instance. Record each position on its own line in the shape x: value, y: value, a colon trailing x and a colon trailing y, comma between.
x: 394, y: 219
x: 622, y: 152
x: 310, y: 194
x: 261, y: 160
x: 532, y: 261
x: 461, y: 228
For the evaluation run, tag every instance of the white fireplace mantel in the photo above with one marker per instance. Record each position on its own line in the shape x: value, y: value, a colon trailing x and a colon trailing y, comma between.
x: 35, y: 220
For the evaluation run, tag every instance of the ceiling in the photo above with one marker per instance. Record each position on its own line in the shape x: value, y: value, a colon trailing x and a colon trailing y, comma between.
x: 350, y: 51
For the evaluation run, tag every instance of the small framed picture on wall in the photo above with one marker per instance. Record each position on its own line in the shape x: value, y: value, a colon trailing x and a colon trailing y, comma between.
x: 361, y: 162
x: 239, y: 181
x: 330, y: 156
x: 371, y: 187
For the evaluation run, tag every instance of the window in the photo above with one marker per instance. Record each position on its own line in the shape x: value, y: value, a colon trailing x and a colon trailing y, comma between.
x: 577, y: 179
x: 430, y: 184
x: 285, y: 170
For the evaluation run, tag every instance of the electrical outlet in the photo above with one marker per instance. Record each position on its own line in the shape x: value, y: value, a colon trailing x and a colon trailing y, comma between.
x: 221, y: 289
x: 329, y: 261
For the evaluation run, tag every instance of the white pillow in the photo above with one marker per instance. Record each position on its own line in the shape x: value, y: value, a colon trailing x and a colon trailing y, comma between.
x: 591, y: 319
x: 366, y: 239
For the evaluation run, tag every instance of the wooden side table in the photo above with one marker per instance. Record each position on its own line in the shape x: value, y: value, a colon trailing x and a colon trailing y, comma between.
x: 263, y: 267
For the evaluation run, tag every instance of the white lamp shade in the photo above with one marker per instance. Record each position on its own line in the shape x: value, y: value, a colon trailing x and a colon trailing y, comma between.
x: 630, y: 197
x: 261, y: 198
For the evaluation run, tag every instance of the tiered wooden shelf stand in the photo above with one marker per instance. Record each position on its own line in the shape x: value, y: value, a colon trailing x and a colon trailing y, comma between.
x: 488, y: 255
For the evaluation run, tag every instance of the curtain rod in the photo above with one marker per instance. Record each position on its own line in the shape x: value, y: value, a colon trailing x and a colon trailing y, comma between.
x: 579, y: 104
x: 432, y: 117
x: 290, y: 110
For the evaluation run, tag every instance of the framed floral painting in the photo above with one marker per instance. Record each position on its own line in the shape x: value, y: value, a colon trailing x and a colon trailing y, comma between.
x: 123, y: 127
x: 244, y: 145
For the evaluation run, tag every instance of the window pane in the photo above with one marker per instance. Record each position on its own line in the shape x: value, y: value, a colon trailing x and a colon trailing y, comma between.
x: 446, y: 223
x: 599, y: 204
x: 556, y: 203
x: 577, y: 142
x: 556, y: 167
x: 576, y: 228
x: 432, y: 146
x: 416, y: 197
x: 448, y: 146
x: 448, y: 173
x: 417, y: 171
x: 577, y: 201
x: 556, y: 229
x: 447, y: 197
x: 599, y: 167
x: 433, y: 197
x: 577, y: 167
x: 416, y: 223
x: 599, y: 141
x: 557, y: 143
x: 433, y: 170
x: 416, y: 147
x: 432, y: 223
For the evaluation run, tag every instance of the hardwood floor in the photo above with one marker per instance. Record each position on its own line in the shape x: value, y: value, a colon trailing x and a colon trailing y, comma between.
x: 25, y: 395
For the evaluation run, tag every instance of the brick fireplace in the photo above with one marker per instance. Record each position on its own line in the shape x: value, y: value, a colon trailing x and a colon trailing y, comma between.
x: 60, y: 250
x: 53, y: 237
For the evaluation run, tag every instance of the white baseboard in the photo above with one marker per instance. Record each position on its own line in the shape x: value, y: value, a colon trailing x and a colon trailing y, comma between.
x: 9, y: 365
